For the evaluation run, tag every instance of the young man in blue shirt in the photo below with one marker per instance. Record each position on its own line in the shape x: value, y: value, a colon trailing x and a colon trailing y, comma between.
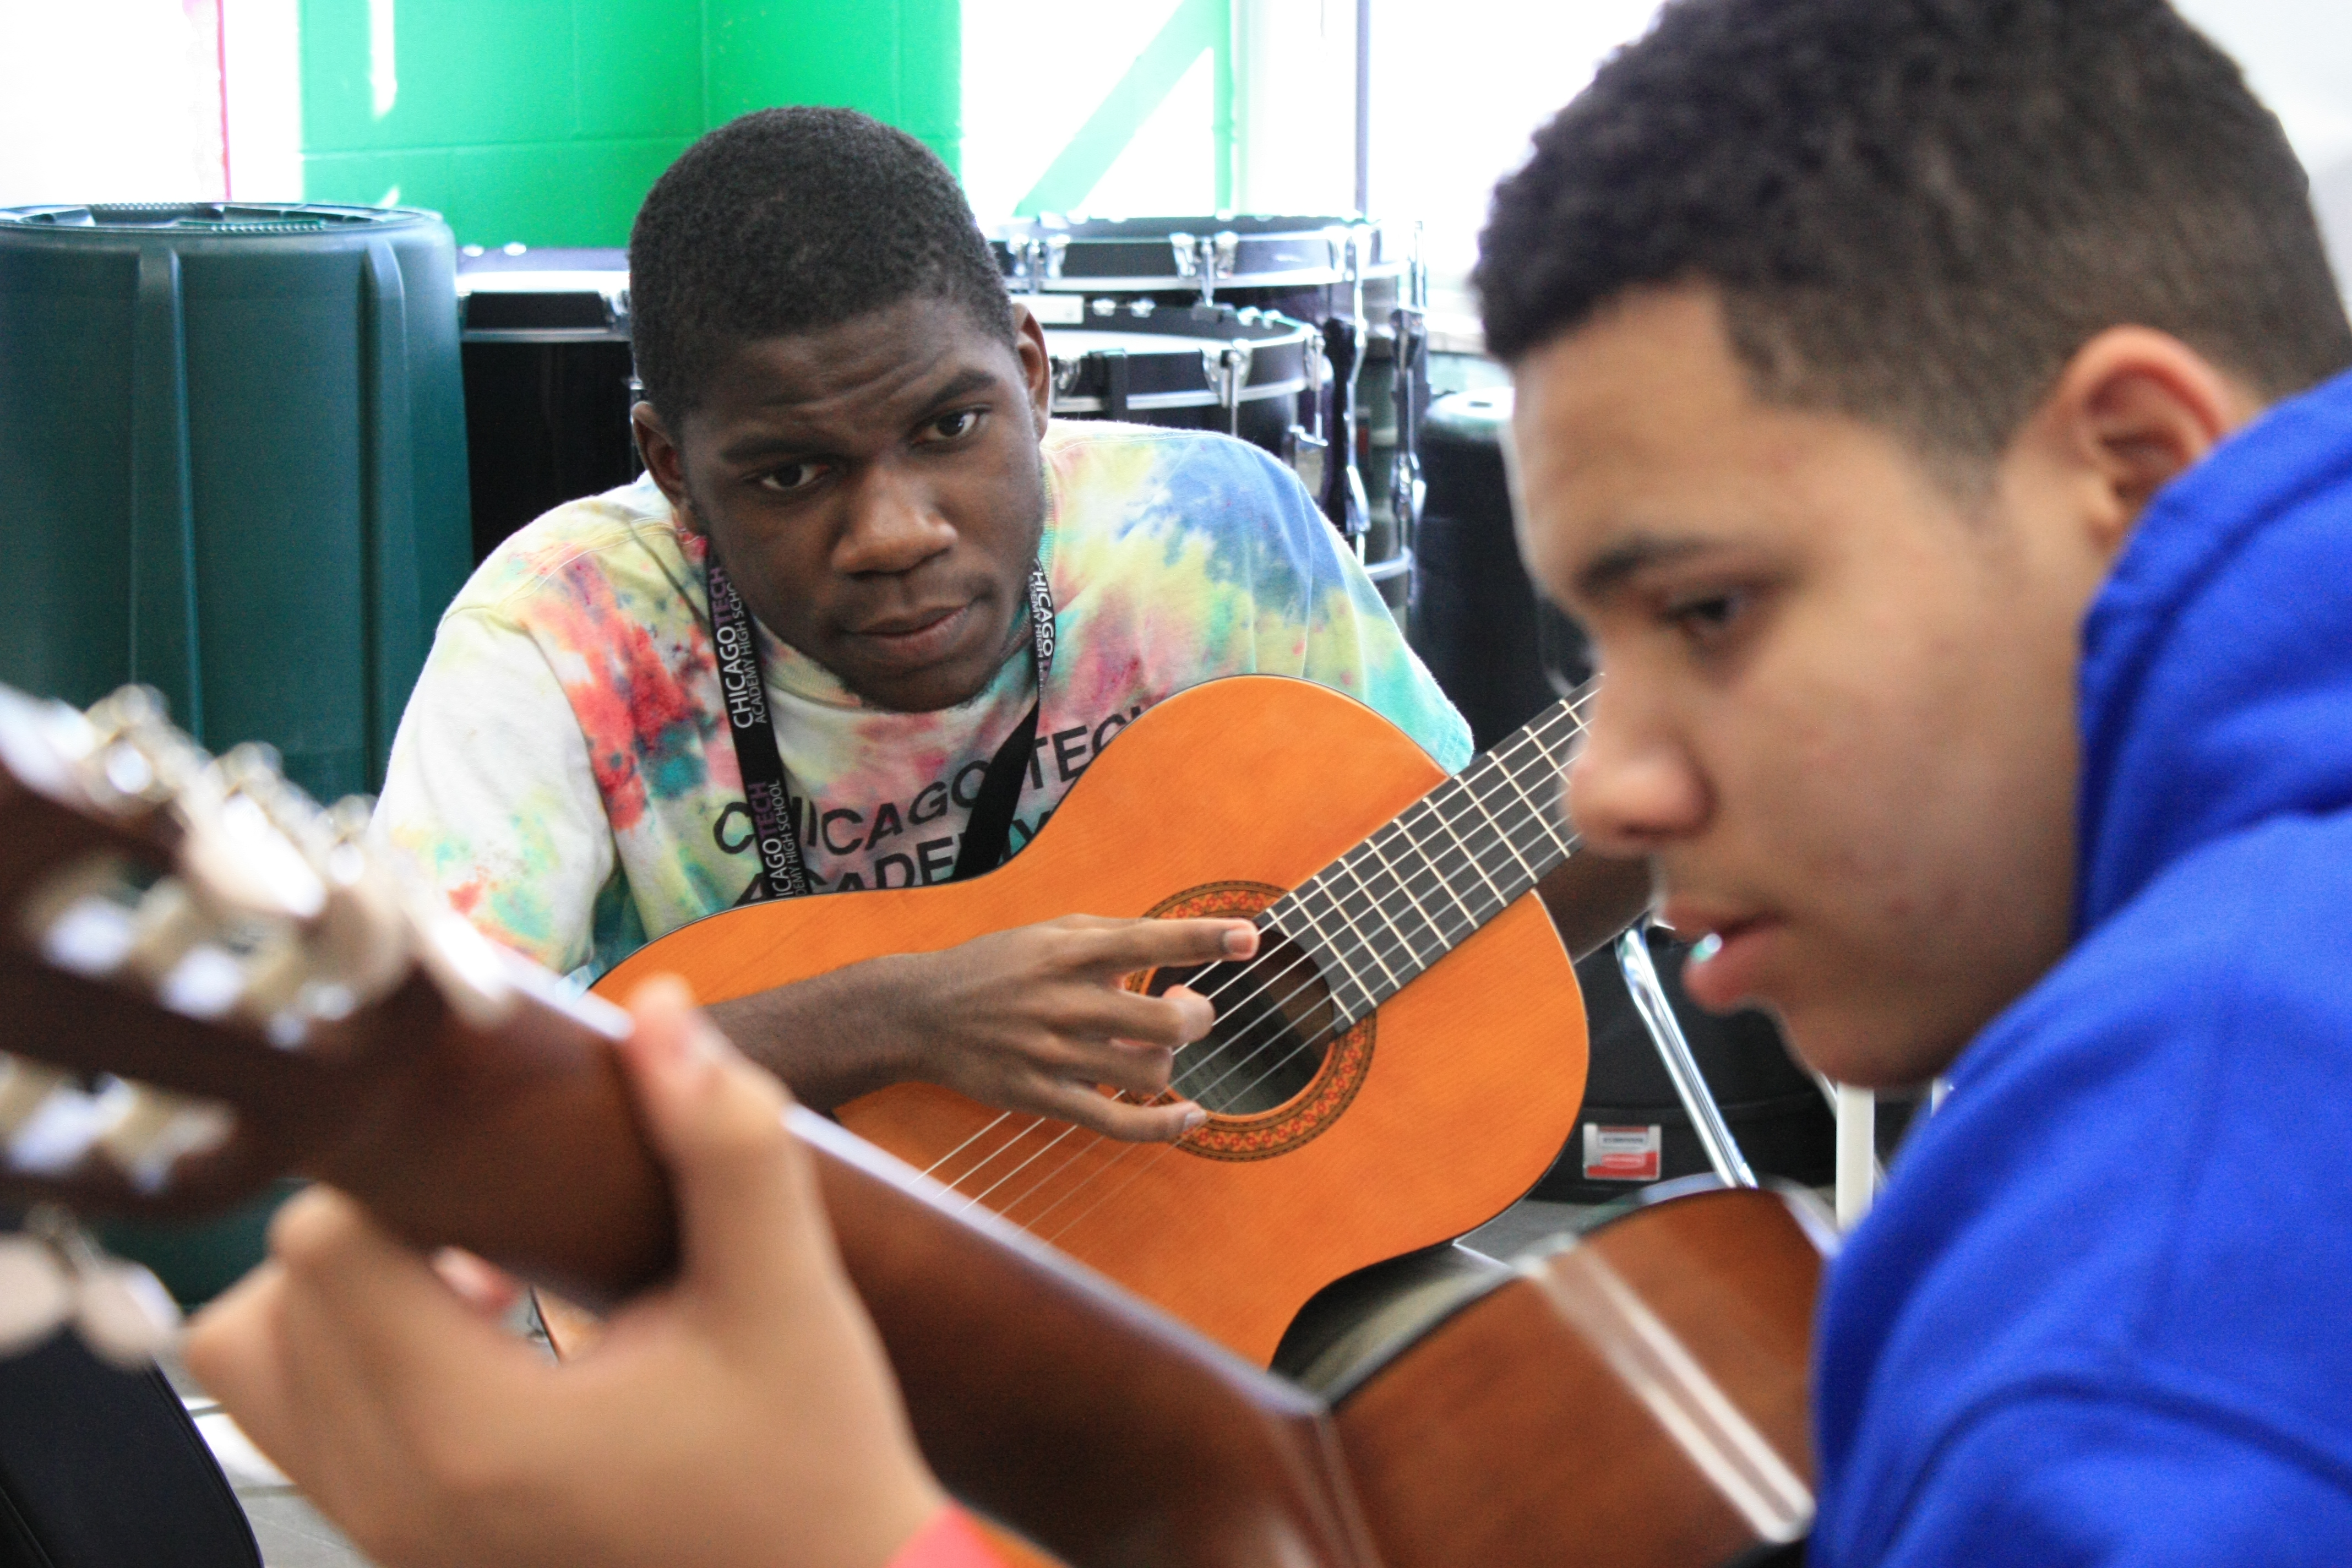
x: 1933, y: 410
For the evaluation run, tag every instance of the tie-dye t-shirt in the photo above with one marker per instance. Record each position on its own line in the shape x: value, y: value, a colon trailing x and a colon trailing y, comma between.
x: 565, y: 774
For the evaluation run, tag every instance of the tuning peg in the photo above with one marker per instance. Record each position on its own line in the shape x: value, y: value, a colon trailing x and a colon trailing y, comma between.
x: 35, y: 1296
x: 25, y: 1088
x: 129, y: 708
x: 236, y: 859
x: 155, y: 1130
x: 121, y: 1310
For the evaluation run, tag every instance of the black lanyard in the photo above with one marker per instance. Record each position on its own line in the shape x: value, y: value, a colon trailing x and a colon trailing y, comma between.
x: 783, y: 872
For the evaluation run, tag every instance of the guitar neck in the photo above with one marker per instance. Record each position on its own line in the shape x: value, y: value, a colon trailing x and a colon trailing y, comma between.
x: 1377, y: 917
x: 1014, y: 1361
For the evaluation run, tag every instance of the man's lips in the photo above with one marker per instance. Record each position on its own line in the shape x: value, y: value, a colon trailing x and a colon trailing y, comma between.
x: 1725, y: 968
x: 917, y: 638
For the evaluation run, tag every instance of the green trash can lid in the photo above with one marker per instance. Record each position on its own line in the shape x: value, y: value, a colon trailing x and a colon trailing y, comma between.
x: 208, y: 217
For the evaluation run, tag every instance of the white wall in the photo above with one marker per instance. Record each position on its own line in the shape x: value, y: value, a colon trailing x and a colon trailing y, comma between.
x: 2297, y: 54
x: 1460, y: 85
x: 120, y: 100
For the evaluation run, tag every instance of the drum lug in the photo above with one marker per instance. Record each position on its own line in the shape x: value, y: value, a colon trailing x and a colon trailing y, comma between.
x: 1224, y: 249
x: 1309, y: 455
x: 1037, y: 258
x: 1227, y: 370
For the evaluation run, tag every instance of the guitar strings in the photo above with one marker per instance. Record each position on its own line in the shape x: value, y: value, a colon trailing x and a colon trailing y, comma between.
x: 1499, y: 830
x: 1159, y: 1153
x: 1572, y: 711
x: 1430, y: 806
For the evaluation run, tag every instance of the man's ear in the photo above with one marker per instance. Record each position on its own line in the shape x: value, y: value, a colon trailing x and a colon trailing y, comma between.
x: 2134, y: 410
x: 663, y: 461
x: 1037, y: 365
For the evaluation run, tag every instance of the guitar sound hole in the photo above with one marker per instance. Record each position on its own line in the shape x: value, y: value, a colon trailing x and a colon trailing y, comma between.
x: 1275, y: 1024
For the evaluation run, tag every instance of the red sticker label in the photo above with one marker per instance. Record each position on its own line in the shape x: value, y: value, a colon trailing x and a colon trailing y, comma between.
x: 1621, y: 1154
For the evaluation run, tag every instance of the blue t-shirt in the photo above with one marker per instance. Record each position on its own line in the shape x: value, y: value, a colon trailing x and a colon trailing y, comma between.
x: 2103, y: 1312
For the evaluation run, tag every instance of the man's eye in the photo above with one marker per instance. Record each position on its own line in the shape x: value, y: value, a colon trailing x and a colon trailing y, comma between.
x: 1708, y: 619
x: 951, y: 426
x: 792, y: 477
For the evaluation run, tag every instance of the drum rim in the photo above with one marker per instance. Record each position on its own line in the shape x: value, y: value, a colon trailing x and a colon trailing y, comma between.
x: 1172, y: 283
x: 1282, y: 336
x: 1159, y: 230
x: 1205, y: 398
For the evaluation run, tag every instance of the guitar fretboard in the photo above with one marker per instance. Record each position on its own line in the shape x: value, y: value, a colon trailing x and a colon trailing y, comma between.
x: 1387, y: 909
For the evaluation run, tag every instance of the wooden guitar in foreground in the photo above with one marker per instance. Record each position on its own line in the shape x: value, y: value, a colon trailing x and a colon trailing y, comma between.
x: 204, y: 982
x: 1400, y: 1062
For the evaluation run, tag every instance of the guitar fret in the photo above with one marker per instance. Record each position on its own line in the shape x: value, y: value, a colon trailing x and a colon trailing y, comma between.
x: 1543, y: 815
x: 1452, y: 831
x: 1323, y: 881
x: 1345, y: 874
x: 1325, y: 945
x: 1366, y: 921
x: 1403, y: 826
x: 1446, y: 826
x: 1555, y: 819
x: 1425, y: 948
x: 1479, y: 806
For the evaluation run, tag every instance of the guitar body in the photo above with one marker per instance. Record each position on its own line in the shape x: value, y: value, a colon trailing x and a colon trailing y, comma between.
x: 1421, y: 1122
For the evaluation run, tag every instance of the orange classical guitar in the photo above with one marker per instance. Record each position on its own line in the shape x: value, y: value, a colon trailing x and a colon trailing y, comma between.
x: 1401, y: 1061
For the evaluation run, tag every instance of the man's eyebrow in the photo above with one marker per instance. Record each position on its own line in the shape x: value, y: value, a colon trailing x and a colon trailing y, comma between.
x: 963, y: 383
x: 1607, y: 571
x: 763, y: 445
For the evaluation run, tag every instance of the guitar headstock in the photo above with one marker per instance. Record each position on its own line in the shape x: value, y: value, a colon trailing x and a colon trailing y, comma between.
x: 207, y: 981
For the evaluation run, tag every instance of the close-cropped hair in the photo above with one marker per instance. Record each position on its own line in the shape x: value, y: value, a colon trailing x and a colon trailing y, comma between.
x: 793, y: 220
x: 1916, y: 211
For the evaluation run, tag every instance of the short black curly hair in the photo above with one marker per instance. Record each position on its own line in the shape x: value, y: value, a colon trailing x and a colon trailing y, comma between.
x: 793, y: 220
x: 1916, y: 211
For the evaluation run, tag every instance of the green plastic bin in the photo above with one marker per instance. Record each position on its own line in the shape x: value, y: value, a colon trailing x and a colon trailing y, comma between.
x: 232, y: 466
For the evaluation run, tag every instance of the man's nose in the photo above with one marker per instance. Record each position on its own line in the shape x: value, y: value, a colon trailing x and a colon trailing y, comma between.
x: 894, y: 525
x: 1631, y: 787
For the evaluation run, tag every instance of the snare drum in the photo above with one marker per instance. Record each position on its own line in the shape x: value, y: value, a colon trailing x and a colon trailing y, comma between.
x: 1240, y: 371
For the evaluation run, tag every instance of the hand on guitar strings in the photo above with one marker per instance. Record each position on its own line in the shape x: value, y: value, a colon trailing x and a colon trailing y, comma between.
x: 1032, y: 1019
x: 745, y: 1414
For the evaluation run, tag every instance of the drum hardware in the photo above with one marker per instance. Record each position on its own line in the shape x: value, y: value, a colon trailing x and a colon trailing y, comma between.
x: 1037, y: 258
x: 1674, y: 1050
x: 1409, y: 331
x: 1206, y: 259
x: 1227, y: 369
x: 1115, y: 384
x: 1343, y: 498
x: 1217, y: 261
x: 1307, y: 450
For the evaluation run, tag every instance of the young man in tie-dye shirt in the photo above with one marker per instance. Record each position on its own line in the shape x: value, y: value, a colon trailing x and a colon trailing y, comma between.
x: 844, y: 405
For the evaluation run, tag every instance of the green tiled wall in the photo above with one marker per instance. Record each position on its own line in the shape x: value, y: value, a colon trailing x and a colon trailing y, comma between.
x: 545, y: 120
